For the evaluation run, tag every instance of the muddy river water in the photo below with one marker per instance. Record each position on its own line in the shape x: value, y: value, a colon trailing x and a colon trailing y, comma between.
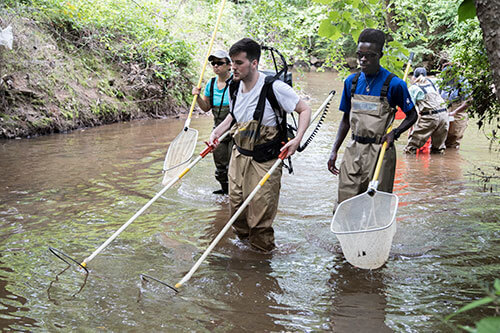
x: 72, y: 191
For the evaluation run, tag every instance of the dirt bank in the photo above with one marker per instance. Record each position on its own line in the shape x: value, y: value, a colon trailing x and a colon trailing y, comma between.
x: 50, y: 83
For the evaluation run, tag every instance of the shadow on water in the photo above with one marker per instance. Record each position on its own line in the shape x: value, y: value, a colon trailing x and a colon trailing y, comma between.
x: 358, y: 299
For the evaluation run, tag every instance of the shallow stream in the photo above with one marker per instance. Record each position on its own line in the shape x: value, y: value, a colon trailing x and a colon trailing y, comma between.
x: 72, y: 191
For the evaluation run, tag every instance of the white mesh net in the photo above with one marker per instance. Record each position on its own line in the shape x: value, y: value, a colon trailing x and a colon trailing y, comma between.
x: 365, y: 226
x: 179, y: 154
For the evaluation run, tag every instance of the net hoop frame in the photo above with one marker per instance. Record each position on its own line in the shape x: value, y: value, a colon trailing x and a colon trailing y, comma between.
x: 393, y: 218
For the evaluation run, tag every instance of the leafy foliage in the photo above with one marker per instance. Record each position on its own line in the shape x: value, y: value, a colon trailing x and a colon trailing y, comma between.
x: 488, y: 324
x: 471, y: 64
x: 122, y: 29
x: 289, y: 25
x: 431, y: 30
x: 466, y: 10
x: 170, y: 38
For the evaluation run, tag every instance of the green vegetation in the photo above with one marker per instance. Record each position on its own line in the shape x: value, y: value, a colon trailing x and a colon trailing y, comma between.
x: 99, y: 61
x: 488, y: 324
x: 149, y: 51
x: 434, y: 32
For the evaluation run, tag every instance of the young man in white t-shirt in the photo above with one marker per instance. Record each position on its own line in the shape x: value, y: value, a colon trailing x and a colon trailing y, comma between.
x: 257, y: 142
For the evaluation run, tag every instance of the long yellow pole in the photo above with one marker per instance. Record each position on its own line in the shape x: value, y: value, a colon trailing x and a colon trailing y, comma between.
x: 195, y: 97
x: 150, y: 202
x: 229, y: 223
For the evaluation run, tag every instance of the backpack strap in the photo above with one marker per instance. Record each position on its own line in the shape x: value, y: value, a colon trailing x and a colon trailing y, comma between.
x: 233, y: 92
x: 212, y: 84
x: 261, y: 104
x: 354, y: 83
x: 267, y: 93
x: 278, y: 111
x: 385, y: 86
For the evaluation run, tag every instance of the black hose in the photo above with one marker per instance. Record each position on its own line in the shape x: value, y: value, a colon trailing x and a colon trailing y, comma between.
x: 61, y: 255
x: 316, y: 129
x: 145, y: 277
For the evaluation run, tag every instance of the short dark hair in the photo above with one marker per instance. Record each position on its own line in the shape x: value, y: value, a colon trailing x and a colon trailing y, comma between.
x: 248, y: 45
x: 374, y: 36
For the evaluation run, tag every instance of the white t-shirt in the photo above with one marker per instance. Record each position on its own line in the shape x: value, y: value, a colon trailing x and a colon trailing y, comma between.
x: 247, y: 102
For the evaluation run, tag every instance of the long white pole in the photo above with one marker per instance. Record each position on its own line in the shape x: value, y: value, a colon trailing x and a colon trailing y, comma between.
x: 231, y: 221
x: 228, y: 225
x: 150, y: 202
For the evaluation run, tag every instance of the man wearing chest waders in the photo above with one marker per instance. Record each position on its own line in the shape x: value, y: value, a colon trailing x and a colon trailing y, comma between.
x: 368, y: 101
x: 433, y: 114
x: 216, y: 98
x: 258, y: 140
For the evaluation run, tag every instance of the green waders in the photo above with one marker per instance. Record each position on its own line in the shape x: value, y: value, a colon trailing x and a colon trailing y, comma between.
x: 255, y: 223
x: 222, y: 154
x: 369, y: 118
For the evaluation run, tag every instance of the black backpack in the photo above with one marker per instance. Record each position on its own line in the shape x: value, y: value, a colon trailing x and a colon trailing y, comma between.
x: 271, y: 149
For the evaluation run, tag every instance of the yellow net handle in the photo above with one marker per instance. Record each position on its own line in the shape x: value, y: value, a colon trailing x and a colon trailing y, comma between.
x: 193, y: 104
x: 381, y: 157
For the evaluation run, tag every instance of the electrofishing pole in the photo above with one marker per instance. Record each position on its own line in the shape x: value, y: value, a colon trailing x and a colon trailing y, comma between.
x: 281, y: 158
x: 85, y: 262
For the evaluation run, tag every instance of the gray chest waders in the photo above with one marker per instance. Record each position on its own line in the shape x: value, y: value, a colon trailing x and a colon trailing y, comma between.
x: 370, y: 117
x: 433, y: 103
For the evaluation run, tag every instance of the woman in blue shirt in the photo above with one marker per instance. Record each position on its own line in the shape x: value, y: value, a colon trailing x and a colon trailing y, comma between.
x: 216, y: 98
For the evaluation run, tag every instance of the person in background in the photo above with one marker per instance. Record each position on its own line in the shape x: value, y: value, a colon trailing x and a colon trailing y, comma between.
x: 368, y: 101
x: 258, y: 139
x: 433, y: 116
x: 458, y: 101
x: 216, y: 98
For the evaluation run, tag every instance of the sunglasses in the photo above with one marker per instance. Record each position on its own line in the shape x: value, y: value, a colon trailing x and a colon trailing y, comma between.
x: 218, y: 63
x: 367, y: 55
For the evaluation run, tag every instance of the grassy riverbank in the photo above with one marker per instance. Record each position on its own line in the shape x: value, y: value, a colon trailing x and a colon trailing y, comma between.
x: 78, y: 63
x: 85, y: 63
x: 49, y: 84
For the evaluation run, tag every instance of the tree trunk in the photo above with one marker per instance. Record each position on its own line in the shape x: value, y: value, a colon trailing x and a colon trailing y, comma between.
x: 389, y: 17
x: 488, y: 13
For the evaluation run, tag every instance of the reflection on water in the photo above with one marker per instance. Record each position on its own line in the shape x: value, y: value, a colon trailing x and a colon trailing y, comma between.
x: 73, y: 191
x: 13, y: 309
x: 356, y: 294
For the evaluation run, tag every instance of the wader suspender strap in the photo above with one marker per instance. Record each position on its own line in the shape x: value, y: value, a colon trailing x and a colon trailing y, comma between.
x: 212, y: 84
x: 385, y: 87
x: 383, y: 94
x: 423, y: 88
x: 354, y: 83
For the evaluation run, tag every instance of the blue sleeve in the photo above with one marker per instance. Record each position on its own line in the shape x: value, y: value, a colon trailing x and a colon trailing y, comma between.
x: 207, y: 89
x: 345, y: 102
x: 399, y: 95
